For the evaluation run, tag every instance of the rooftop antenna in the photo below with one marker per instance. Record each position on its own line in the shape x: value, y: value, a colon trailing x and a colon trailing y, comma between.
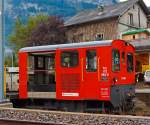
x: 100, y: 6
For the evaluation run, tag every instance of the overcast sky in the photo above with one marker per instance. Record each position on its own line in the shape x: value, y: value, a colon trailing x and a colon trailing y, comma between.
x: 146, y: 1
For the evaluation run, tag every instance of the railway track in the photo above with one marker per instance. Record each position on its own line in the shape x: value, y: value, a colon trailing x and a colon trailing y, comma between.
x: 16, y: 122
x: 5, y: 122
x: 11, y: 116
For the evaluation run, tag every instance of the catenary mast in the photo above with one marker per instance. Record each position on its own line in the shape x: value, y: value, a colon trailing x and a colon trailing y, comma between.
x: 1, y: 53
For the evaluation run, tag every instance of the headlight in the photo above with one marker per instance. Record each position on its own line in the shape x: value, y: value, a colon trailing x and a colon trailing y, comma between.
x: 115, y: 80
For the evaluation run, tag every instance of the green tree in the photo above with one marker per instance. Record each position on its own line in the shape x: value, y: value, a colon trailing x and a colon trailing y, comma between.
x: 18, y: 35
x: 8, y: 61
x: 11, y: 61
x: 22, y: 32
x: 51, y: 31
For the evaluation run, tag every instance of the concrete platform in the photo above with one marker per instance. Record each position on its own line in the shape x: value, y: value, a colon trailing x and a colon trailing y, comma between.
x: 144, y: 91
x: 6, y: 103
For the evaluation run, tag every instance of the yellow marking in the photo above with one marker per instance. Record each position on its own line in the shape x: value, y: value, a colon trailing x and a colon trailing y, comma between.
x: 82, y: 67
x: 145, y: 67
x: 4, y: 81
x: 98, y: 69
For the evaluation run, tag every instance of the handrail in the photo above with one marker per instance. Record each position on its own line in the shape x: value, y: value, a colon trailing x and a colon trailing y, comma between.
x: 42, y: 70
x: 82, y: 68
x: 98, y: 63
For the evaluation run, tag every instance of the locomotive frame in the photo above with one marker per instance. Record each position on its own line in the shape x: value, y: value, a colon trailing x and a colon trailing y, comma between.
x: 87, y: 76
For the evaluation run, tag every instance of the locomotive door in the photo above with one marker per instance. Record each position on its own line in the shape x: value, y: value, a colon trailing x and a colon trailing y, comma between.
x: 90, y: 73
x: 68, y: 74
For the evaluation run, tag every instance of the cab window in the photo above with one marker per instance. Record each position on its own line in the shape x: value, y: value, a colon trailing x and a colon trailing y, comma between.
x: 123, y: 57
x: 130, y: 66
x: 69, y: 59
x: 115, y: 60
x: 91, y: 61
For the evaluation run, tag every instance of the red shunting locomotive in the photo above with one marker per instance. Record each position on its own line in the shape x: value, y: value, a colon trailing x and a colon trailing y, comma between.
x: 87, y: 76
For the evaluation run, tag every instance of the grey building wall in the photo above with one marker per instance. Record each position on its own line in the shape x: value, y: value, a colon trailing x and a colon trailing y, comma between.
x: 139, y: 19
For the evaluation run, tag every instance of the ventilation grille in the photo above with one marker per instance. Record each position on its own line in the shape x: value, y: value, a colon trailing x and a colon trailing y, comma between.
x: 70, y: 81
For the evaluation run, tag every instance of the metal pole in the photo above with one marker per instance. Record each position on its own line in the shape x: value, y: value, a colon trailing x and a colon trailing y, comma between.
x: 1, y: 53
x: 12, y: 65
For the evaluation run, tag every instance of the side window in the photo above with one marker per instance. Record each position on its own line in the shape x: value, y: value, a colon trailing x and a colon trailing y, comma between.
x: 91, y: 61
x: 40, y: 62
x: 123, y: 57
x: 69, y: 59
x: 115, y: 60
x: 50, y: 62
x: 31, y: 62
x: 130, y: 66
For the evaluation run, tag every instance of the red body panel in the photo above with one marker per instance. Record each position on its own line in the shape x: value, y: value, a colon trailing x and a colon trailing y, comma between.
x: 68, y: 79
x: 92, y: 87
x: 23, y: 75
x: 123, y: 76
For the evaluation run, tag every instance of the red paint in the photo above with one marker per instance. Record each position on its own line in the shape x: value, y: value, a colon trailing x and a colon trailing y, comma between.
x: 80, y: 83
x: 23, y: 75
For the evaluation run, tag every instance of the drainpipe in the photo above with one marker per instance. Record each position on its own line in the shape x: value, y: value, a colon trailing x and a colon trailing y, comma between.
x: 149, y: 57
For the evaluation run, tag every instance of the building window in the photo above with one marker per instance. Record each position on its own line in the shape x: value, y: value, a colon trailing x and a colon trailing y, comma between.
x: 148, y: 24
x: 133, y: 36
x: 115, y: 60
x: 130, y: 19
x: 91, y: 61
x: 80, y: 37
x: 69, y: 59
x: 100, y: 36
x: 130, y: 66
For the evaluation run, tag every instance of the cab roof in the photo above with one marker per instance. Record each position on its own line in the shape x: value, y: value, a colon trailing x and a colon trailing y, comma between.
x: 66, y: 46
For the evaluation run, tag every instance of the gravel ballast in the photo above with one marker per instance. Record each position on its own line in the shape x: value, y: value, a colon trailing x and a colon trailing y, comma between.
x: 66, y: 118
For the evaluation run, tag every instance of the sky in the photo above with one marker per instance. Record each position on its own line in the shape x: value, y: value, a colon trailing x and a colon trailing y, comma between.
x: 146, y: 1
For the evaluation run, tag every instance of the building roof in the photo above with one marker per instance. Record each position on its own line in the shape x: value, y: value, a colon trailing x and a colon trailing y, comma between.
x: 141, y: 45
x: 66, y: 46
x: 108, y: 12
x: 130, y: 32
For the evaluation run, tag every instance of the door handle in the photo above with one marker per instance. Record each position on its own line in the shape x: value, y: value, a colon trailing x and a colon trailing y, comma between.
x: 98, y: 66
x: 82, y: 69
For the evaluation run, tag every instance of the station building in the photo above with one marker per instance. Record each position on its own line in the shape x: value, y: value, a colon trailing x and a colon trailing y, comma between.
x: 127, y: 20
x: 140, y: 38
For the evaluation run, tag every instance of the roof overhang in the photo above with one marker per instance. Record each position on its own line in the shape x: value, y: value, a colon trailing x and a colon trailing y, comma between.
x: 131, y: 32
x: 66, y: 46
x: 145, y: 8
x: 142, y: 45
x: 92, y: 20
